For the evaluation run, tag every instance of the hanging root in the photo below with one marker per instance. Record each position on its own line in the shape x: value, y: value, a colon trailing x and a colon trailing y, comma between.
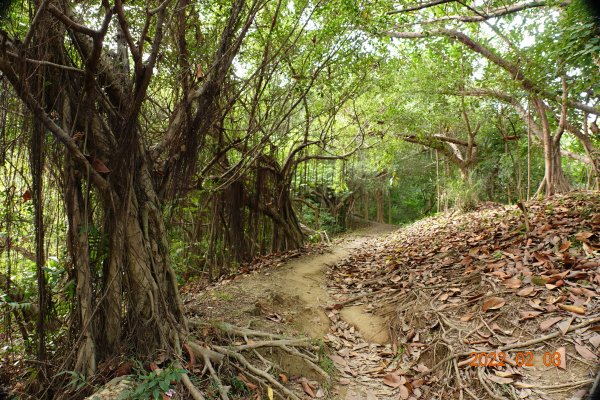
x: 247, y: 358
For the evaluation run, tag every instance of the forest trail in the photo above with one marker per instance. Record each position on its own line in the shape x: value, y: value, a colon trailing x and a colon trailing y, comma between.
x: 305, y: 279
x: 293, y: 297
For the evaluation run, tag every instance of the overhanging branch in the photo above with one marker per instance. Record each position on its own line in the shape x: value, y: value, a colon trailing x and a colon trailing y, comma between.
x: 495, y: 58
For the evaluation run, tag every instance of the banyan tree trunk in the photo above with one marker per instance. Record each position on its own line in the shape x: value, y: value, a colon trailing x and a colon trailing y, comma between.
x: 139, y: 301
x: 286, y: 233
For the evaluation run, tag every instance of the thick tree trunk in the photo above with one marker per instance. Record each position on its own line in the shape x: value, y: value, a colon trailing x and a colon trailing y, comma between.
x: 379, y: 203
x: 145, y: 307
x: 554, y: 179
x: 290, y: 235
x: 79, y: 227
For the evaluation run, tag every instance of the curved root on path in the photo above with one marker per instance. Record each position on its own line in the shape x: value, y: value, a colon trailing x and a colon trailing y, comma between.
x: 243, y: 357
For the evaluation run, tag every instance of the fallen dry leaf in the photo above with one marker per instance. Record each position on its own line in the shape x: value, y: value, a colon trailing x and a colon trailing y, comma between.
x: 306, y: 387
x: 393, y: 379
x: 466, y: 317
x: 529, y: 314
x: 500, y: 380
x: 585, y: 352
x: 512, y: 283
x: 564, y: 325
x: 526, y: 291
x: 574, y: 309
x: 547, y: 323
x: 493, y: 303
x: 404, y: 392
x: 584, y: 235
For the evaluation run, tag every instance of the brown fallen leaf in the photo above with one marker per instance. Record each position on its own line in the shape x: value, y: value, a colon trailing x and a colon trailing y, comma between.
x: 512, y: 283
x: 547, y: 323
x: 466, y: 317
x: 526, y: 291
x: 283, y: 378
x: 574, y: 309
x: 306, y: 387
x: 595, y: 340
x: 394, y: 380
x: 191, y: 356
x: 588, y: 293
x: 338, y: 361
x: 584, y: 235
x: 529, y: 314
x: 493, y: 303
x: 564, y: 246
x: 500, y: 380
x: 564, y: 325
x: 585, y: 352
x: 124, y: 368
x: 404, y: 392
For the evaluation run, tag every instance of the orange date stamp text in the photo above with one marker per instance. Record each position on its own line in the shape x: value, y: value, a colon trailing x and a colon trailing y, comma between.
x: 521, y: 359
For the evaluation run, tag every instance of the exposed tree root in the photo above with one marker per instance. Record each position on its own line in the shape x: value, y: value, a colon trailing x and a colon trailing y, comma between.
x: 250, y: 358
x: 194, y: 392
x: 243, y: 357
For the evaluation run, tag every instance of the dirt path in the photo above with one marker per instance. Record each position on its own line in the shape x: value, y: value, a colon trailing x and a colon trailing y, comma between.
x: 304, y: 279
x: 292, y: 299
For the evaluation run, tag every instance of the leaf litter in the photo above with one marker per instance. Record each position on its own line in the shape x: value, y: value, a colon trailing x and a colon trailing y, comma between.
x: 498, y: 279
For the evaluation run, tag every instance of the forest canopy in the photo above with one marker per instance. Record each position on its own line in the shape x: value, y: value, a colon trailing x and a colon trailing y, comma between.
x: 144, y: 145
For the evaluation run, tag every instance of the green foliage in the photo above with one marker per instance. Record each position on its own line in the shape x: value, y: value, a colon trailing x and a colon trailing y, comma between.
x: 5, y: 8
x: 152, y: 385
x: 77, y: 382
x: 238, y: 387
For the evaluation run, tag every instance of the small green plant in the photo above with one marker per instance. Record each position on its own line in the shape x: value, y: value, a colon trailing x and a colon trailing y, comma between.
x: 77, y: 380
x: 153, y: 384
x: 223, y: 296
x: 538, y: 280
x: 327, y: 364
x: 238, y: 387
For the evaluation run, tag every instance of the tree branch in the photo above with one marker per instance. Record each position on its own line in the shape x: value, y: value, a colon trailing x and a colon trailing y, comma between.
x: 56, y: 130
x: 495, y: 58
x: 69, y: 23
x: 420, y: 6
x: 498, y: 12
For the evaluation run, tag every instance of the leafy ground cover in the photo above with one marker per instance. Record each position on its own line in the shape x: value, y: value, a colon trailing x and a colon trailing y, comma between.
x: 521, y: 281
